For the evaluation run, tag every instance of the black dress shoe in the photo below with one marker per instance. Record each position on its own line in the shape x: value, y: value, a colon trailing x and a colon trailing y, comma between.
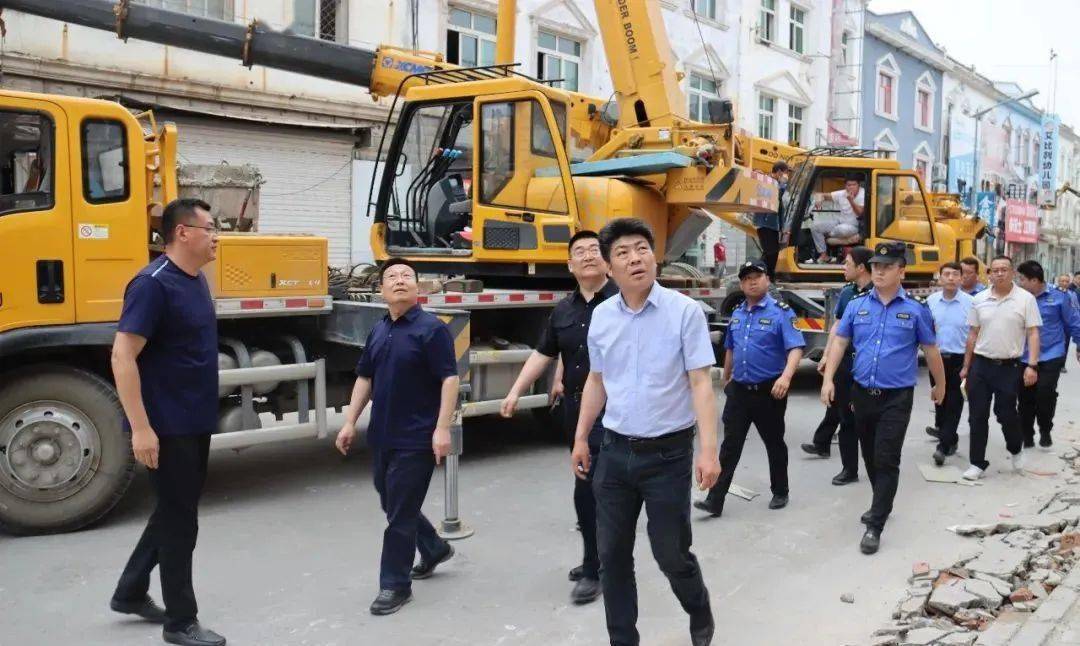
x: 845, y: 477
x: 585, y: 591
x: 701, y: 635
x: 715, y: 512
x: 870, y: 542
x: 933, y: 432
x: 576, y: 574
x: 778, y: 502
x: 951, y: 450
x: 1045, y: 441
x: 865, y: 518
x: 423, y: 569
x: 1029, y: 443
x: 939, y: 457
x: 146, y: 609
x: 390, y: 601
x: 814, y: 449
x: 193, y: 635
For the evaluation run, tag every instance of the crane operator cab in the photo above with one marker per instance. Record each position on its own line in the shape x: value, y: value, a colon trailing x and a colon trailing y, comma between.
x: 834, y: 218
x: 495, y: 166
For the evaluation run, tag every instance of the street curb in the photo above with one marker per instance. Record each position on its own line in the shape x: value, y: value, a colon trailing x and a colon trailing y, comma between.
x: 1036, y: 631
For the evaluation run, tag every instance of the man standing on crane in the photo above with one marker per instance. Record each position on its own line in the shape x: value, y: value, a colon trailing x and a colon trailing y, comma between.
x: 650, y: 358
x: 566, y: 337
x: 768, y: 224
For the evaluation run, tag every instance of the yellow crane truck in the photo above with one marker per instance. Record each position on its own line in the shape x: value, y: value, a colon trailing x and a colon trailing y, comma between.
x: 486, y: 173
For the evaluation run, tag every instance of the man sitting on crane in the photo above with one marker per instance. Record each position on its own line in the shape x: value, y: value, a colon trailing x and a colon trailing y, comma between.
x: 850, y: 201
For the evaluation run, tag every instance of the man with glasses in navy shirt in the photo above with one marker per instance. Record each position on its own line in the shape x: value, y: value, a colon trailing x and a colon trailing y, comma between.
x: 165, y: 364
x: 409, y: 374
x: 886, y: 327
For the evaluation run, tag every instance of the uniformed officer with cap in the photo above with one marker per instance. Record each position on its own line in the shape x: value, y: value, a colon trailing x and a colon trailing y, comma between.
x: 763, y: 350
x: 886, y: 328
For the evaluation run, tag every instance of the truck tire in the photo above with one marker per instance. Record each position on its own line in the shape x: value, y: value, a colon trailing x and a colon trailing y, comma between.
x: 65, y: 460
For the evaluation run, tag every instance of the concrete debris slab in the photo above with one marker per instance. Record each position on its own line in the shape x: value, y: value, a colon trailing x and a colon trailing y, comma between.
x: 1045, y: 523
x: 988, y: 595
x: 999, y: 560
x: 742, y: 492
x: 923, y: 636
x: 1027, y: 539
x: 911, y: 606
x: 1069, y: 541
x: 949, y: 474
x: 959, y: 639
x: 1003, y: 587
x: 952, y: 597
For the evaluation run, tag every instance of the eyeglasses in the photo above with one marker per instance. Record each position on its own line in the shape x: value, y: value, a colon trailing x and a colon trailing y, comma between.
x: 584, y: 252
x: 405, y: 275
x: 210, y: 229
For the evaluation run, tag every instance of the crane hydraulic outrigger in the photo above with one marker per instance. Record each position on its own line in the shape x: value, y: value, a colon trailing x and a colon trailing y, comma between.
x: 491, y: 172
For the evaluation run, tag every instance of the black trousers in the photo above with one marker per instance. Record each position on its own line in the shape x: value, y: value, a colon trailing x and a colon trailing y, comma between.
x: 169, y: 538
x: 947, y: 413
x: 769, y: 239
x: 402, y: 478
x: 840, y: 416
x: 996, y: 381
x: 1039, y: 402
x: 881, y: 420
x: 630, y: 474
x: 746, y: 405
x: 584, y: 499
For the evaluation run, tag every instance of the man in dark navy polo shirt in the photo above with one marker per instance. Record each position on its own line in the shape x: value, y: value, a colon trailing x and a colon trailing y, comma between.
x: 886, y: 327
x: 409, y: 373
x: 566, y: 336
x: 164, y: 361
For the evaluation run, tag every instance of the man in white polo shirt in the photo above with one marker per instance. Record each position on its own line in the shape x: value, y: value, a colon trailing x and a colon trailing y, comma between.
x: 1001, y: 319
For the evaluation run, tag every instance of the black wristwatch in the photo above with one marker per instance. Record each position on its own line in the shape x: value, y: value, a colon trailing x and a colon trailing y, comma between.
x: 1033, y: 366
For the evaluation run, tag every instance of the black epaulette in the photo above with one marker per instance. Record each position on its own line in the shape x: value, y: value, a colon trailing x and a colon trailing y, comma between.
x: 921, y: 300
x: 782, y: 305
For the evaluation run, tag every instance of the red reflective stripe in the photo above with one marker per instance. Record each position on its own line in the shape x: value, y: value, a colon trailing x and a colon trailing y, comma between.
x: 547, y: 297
x: 251, y: 305
x: 452, y: 299
x: 517, y: 298
x: 422, y: 300
x: 296, y: 302
x: 486, y: 298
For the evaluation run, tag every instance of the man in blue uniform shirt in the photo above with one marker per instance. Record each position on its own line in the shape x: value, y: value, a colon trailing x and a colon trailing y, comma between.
x: 1065, y: 284
x: 1060, y: 320
x: 649, y: 360
x: 856, y: 270
x: 886, y: 328
x: 165, y: 364
x: 950, y: 309
x: 409, y: 373
x: 763, y: 349
x: 969, y: 276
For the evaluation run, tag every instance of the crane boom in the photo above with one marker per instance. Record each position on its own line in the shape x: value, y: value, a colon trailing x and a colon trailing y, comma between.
x: 639, y: 56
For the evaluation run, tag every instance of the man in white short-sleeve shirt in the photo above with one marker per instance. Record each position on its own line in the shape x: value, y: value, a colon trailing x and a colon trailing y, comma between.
x: 850, y: 200
x: 1001, y: 319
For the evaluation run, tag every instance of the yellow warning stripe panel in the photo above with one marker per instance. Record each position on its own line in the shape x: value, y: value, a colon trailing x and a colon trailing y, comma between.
x: 810, y: 324
x: 461, y: 330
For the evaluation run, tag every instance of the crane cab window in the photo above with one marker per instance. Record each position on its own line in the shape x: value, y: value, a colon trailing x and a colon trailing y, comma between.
x: 901, y: 212
x: 26, y: 162
x: 104, y: 162
x: 519, y: 168
x: 427, y: 178
x: 830, y: 220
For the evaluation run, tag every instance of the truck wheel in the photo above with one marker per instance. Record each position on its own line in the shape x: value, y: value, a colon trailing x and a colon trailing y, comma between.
x: 65, y: 460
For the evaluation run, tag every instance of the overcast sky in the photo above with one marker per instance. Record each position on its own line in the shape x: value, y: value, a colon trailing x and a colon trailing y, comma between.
x: 1008, y: 40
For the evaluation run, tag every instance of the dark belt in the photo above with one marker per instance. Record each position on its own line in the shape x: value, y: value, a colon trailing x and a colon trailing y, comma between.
x: 668, y: 440
x: 999, y: 362
x: 952, y: 355
x: 761, y: 385
x: 880, y: 392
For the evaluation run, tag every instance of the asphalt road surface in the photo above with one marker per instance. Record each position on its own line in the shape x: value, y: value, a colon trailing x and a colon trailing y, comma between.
x: 289, y: 547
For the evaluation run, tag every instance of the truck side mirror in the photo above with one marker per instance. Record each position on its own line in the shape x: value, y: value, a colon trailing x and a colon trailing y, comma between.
x: 721, y: 112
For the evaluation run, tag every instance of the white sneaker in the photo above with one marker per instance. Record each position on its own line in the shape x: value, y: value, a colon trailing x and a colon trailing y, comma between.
x: 1018, y: 461
x: 973, y: 473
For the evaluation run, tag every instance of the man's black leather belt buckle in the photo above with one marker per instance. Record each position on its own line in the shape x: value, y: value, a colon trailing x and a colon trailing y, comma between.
x: 764, y: 385
x: 1000, y: 362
